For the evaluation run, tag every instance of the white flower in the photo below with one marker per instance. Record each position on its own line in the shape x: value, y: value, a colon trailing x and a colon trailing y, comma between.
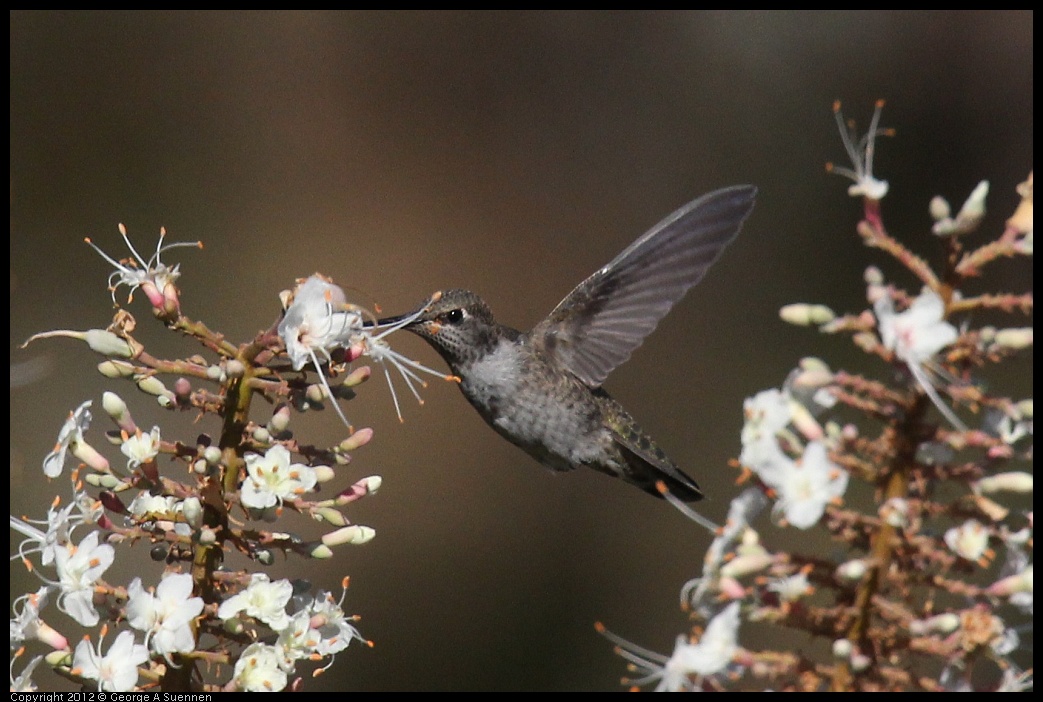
x: 145, y: 503
x: 60, y: 525
x: 317, y: 322
x: 140, y: 448
x: 317, y: 630
x: 263, y: 600
x: 70, y: 433
x: 117, y: 670
x: 792, y: 588
x: 861, y: 155
x: 28, y: 625
x: 78, y: 568
x: 741, y: 512
x: 27, y: 616
x: 918, y: 333
x: 272, y: 478
x: 766, y: 414
x: 152, y: 276
x: 718, y: 644
x: 807, y: 486
x: 915, y: 336
x: 298, y: 641
x: 969, y: 540
x: 711, y: 655
x: 24, y: 681
x: 166, y: 615
x: 335, y: 628
x: 258, y: 670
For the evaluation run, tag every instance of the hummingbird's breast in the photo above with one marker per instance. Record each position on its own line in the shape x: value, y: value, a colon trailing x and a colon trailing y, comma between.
x: 536, y: 405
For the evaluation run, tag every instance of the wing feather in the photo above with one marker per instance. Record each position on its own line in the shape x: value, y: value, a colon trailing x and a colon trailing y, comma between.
x: 600, y: 323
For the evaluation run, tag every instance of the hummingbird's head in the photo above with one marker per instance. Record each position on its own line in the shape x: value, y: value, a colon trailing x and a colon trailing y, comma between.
x: 457, y: 323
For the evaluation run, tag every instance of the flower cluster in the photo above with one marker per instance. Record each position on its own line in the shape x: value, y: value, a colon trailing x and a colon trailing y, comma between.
x: 919, y: 477
x: 200, y: 625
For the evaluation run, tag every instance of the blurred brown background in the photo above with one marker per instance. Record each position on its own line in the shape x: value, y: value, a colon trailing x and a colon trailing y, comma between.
x: 513, y: 154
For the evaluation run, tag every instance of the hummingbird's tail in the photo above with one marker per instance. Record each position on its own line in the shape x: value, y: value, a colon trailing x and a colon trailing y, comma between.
x: 651, y: 470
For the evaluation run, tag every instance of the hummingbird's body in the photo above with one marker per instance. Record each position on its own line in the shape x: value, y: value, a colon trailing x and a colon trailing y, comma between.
x: 541, y: 390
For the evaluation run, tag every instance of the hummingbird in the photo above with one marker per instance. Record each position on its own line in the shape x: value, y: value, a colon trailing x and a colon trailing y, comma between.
x: 542, y: 389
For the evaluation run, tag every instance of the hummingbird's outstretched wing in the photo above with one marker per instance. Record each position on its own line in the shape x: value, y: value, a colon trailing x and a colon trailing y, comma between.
x: 600, y: 323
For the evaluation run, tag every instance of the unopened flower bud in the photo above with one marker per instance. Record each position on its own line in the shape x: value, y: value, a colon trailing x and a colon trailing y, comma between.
x: 108, y: 344
x: 939, y: 208
x: 182, y: 388
x: 357, y: 377
x: 100, y: 340
x: 280, y: 420
x: 107, y: 481
x: 1012, y: 584
x: 973, y: 210
x: 152, y: 385
x: 866, y: 341
x: 215, y: 373
x: 1014, y: 338
x: 803, y: 314
x: 812, y: 373
x: 116, y: 408
x: 842, y: 649
x: 315, y: 393
x: 207, y: 536
x: 321, y: 552
x: 87, y: 453
x: 969, y: 540
x: 330, y: 515
x: 945, y: 623
x: 116, y: 369
x: 355, y: 535
x: 324, y: 474
x: 1015, y: 481
x: 357, y: 440
x: 192, y: 508
x: 234, y: 368
x: 746, y: 565
x: 358, y: 490
x: 852, y: 571
x: 261, y: 435
x: 212, y: 455
x: 990, y: 508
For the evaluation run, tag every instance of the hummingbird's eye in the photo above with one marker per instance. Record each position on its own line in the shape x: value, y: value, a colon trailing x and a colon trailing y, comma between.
x: 454, y: 316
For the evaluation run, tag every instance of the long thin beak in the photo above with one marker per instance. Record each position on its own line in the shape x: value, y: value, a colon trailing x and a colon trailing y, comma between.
x: 398, y: 318
x: 387, y: 321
